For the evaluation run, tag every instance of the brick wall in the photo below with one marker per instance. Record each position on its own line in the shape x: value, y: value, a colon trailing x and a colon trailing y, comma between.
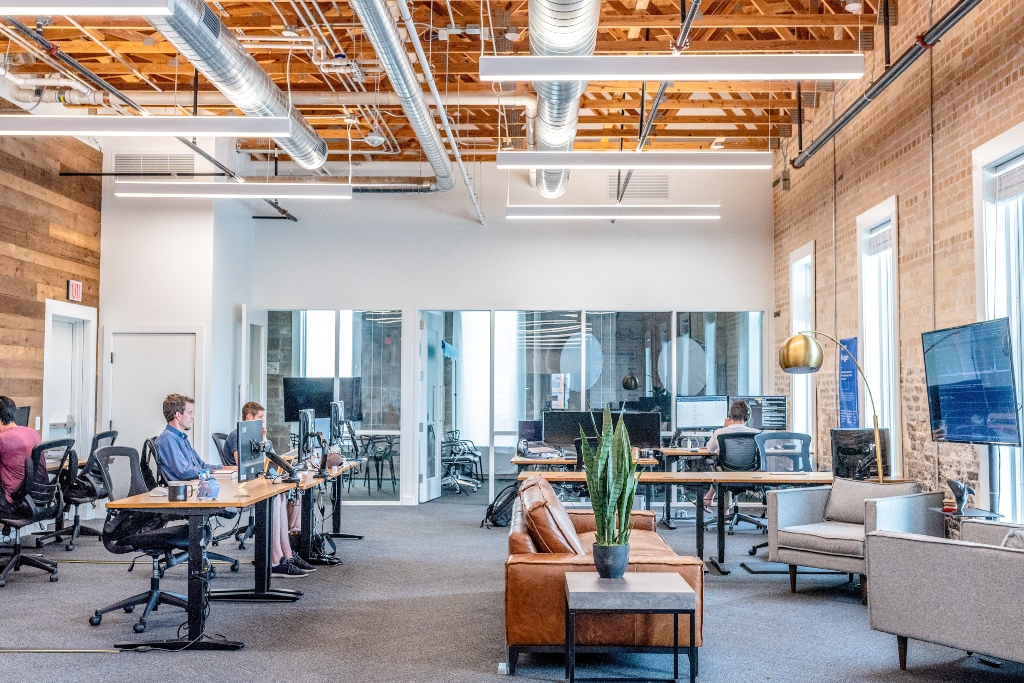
x: 965, y: 91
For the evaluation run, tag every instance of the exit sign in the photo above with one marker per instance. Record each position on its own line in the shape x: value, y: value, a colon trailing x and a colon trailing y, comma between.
x: 74, y: 290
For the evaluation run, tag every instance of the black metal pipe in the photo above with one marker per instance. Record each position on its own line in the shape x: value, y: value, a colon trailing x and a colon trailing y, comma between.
x: 139, y: 175
x: 885, y: 33
x: 923, y: 43
x: 799, y: 117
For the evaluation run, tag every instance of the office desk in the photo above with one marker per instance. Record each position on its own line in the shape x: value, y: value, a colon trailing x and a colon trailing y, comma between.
x: 673, y: 458
x: 258, y: 493
x: 522, y: 462
x: 308, y: 482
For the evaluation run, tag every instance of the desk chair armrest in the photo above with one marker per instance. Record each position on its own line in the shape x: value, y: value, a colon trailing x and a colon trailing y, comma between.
x: 986, y: 532
x: 583, y: 520
x: 907, y: 514
x: 954, y: 593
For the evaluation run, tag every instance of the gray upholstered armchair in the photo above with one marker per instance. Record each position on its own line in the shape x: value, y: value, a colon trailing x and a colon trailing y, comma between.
x: 825, y: 527
x: 963, y: 594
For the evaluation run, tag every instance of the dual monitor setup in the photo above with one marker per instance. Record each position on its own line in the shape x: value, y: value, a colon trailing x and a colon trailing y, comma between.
x: 252, y: 449
x: 697, y: 413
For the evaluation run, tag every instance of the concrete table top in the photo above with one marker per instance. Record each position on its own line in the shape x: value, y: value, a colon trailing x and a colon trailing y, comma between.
x: 638, y: 591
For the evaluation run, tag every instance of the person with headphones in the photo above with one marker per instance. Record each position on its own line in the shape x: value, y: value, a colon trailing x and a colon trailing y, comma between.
x: 735, y: 423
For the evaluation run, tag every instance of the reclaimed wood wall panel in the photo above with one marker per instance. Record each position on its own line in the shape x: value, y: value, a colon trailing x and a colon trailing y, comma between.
x: 49, y: 234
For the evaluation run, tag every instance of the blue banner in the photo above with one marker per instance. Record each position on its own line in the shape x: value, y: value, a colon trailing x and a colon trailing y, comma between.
x: 849, y: 399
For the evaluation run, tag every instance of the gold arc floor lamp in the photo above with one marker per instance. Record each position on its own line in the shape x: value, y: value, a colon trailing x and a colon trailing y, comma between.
x: 801, y: 354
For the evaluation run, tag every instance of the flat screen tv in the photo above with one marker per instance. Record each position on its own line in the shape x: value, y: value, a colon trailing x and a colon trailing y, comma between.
x: 972, y: 393
x: 300, y: 393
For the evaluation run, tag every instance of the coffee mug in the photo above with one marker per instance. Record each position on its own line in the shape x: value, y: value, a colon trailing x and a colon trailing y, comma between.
x: 178, y: 491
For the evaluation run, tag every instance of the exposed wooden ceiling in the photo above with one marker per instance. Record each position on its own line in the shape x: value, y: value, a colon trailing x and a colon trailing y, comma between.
x: 133, y: 57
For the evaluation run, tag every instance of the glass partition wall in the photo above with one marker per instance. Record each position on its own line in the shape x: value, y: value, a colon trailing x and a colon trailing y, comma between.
x: 362, y: 351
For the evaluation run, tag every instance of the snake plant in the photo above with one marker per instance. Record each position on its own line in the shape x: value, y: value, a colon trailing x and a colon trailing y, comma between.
x: 612, y: 480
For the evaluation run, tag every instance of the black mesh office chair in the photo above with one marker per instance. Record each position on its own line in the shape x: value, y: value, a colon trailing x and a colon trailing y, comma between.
x: 739, y: 453
x: 36, y: 500
x: 138, y: 531
x: 80, y: 487
x: 220, y: 441
x: 782, y: 452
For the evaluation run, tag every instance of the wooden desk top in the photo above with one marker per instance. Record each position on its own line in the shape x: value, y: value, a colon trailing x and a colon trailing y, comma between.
x: 768, y: 478
x: 255, y: 491
x: 308, y: 481
x: 520, y: 460
x: 686, y: 452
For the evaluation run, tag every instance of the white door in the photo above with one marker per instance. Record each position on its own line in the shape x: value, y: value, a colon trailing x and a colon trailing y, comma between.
x: 145, y: 368
x: 64, y: 387
x: 432, y: 420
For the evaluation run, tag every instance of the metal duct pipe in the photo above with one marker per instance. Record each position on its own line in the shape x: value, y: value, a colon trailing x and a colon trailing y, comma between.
x: 197, y: 32
x: 382, y: 30
x: 560, y: 27
x: 924, y: 42
x: 392, y: 184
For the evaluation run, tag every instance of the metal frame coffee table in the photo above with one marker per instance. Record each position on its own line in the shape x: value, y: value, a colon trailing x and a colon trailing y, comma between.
x: 634, y: 593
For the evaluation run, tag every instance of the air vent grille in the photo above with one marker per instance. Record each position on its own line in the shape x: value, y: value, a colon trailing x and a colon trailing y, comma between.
x: 641, y: 186
x: 156, y: 164
x: 211, y: 21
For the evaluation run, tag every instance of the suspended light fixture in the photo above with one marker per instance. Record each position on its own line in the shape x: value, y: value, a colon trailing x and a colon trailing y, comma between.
x: 145, y: 126
x: 86, y: 8
x: 567, y: 212
x: 231, y: 190
x: 684, y: 159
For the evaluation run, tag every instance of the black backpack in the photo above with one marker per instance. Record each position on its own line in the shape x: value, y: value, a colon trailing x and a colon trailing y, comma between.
x: 499, y: 512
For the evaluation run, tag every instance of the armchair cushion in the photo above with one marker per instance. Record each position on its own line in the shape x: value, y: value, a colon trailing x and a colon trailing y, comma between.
x: 830, y: 538
x: 549, y: 524
x: 846, y: 500
x: 1014, y: 539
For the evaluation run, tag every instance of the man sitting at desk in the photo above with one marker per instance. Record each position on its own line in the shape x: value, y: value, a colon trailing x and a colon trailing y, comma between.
x: 178, y: 459
x: 284, y: 563
x: 16, y: 444
x: 735, y: 423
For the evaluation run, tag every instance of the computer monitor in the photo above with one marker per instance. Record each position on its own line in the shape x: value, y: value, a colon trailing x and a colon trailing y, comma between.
x: 644, y: 428
x: 250, y: 451
x: 852, y: 453
x: 301, y: 393
x: 531, y: 430
x: 562, y: 427
x: 766, y: 412
x: 663, y: 404
x: 307, y: 428
x: 337, y: 433
x: 701, y: 412
x: 21, y: 414
x: 322, y: 425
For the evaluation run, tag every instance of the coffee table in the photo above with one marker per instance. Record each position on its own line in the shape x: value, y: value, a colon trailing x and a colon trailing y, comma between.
x: 634, y: 593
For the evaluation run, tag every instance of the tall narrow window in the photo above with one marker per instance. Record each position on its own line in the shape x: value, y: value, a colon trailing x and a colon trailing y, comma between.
x: 878, y: 320
x: 801, y: 307
x: 1004, y: 277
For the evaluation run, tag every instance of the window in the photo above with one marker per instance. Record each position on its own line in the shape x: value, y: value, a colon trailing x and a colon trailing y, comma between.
x: 631, y: 360
x: 878, y: 320
x: 719, y: 353
x: 1004, y: 270
x: 801, y: 311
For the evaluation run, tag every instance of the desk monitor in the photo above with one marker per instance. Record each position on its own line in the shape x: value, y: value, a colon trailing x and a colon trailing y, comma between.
x: 337, y: 433
x: 644, y: 428
x: 562, y: 427
x: 21, y: 414
x: 701, y: 412
x: 300, y: 393
x: 250, y: 450
x: 307, y: 430
x: 853, y: 453
x: 766, y: 412
x: 531, y: 430
x: 663, y: 404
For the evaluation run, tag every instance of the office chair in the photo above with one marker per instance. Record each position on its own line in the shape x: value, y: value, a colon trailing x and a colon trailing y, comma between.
x: 739, y: 453
x: 220, y: 441
x: 469, y: 450
x: 782, y: 452
x: 459, y: 465
x: 80, y: 487
x: 138, y: 531
x: 37, y: 500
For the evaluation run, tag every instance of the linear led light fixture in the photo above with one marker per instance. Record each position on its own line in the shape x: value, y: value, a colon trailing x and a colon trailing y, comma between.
x: 85, y: 8
x: 146, y: 126
x: 685, y: 160
x: 711, y: 212
x: 206, y: 190
x: 696, y: 67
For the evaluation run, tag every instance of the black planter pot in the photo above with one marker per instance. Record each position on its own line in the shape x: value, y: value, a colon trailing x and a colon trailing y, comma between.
x: 611, y: 560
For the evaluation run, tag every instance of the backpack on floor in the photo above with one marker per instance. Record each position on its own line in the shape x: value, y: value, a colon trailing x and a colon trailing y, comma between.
x: 499, y: 512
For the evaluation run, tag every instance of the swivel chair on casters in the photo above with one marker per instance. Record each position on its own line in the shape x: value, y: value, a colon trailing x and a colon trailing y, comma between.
x: 128, y: 531
x: 739, y: 453
x: 782, y: 452
x: 37, y: 500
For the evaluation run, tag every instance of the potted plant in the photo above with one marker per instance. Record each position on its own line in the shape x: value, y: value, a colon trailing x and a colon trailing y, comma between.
x: 612, y: 481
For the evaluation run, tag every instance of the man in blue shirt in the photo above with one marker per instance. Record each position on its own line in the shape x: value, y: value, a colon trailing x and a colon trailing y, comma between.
x: 178, y: 459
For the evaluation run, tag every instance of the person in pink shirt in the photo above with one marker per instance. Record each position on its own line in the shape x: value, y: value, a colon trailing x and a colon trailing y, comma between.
x: 16, y: 444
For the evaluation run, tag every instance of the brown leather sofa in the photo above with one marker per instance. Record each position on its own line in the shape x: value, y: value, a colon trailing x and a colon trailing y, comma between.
x: 545, y: 541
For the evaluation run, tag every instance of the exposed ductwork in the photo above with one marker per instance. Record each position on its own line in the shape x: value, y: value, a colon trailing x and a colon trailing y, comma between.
x: 560, y: 27
x: 382, y: 30
x: 197, y: 32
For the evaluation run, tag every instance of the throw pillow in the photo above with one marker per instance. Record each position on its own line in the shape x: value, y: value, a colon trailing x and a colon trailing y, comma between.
x: 1014, y: 539
x: 846, y: 500
x: 550, y: 527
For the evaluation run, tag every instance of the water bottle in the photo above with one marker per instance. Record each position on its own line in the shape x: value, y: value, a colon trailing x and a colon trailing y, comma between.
x: 209, y: 488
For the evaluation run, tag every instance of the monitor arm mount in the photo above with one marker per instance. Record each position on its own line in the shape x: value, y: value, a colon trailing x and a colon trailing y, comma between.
x: 324, y: 450
x: 282, y: 464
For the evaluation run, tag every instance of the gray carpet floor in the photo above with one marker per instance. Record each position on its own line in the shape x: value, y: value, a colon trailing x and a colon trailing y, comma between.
x: 420, y: 599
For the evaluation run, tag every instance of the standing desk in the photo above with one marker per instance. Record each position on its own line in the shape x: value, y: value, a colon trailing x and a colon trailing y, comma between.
x: 258, y: 493
x: 522, y: 463
x: 308, y: 482
x: 674, y: 457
